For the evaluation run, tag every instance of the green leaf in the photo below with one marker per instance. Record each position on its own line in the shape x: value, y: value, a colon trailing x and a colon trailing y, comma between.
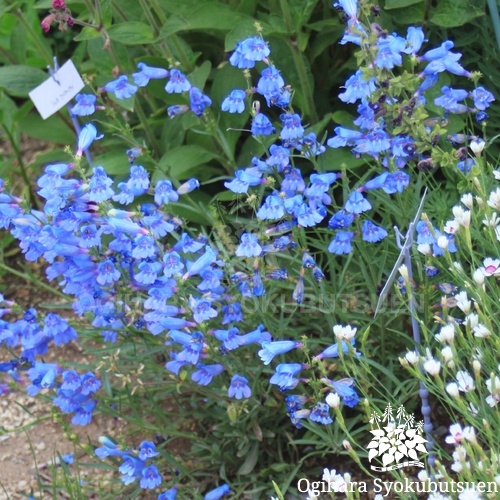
x: 115, y: 163
x: 180, y: 162
x: 250, y: 462
x: 54, y: 129
x: 453, y: 13
x: 20, y: 80
x: 215, y: 16
x: 131, y: 33
x: 199, y: 76
x: 398, y: 4
x: 87, y: 34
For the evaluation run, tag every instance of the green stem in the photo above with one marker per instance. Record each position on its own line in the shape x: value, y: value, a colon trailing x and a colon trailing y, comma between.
x: 151, y: 19
x: 495, y: 19
x: 35, y: 37
x: 147, y: 127
x: 32, y: 279
x: 298, y: 59
x: 20, y: 162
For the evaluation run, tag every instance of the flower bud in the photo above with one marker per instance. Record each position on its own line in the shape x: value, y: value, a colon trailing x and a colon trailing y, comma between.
x: 333, y: 400
x: 452, y: 390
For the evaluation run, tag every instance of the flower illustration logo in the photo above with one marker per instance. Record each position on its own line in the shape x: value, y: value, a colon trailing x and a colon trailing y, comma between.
x: 400, y: 438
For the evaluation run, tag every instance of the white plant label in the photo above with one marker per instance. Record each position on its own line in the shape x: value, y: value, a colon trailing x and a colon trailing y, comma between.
x: 55, y: 92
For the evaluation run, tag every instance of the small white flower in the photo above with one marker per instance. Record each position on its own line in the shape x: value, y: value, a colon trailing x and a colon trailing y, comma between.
x: 462, y: 216
x: 492, y: 221
x: 403, y: 270
x: 473, y: 410
x: 477, y: 146
x: 496, y: 174
x: 412, y: 357
x: 432, y: 367
x: 423, y: 475
x: 452, y: 390
x: 470, y: 494
x: 451, y: 227
x: 469, y: 434
x: 443, y: 242
x: 333, y: 401
x: 490, y: 267
x: 467, y: 200
x: 460, y: 454
x: 472, y: 320
x: 447, y: 353
x: 463, y: 302
x: 494, y: 199
x: 493, y: 385
x: 446, y: 334
x: 456, y: 434
x: 344, y: 332
x: 478, y: 277
x: 465, y: 381
x: 312, y: 495
x: 481, y: 331
x: 438, y: 496
x: 425, y: 249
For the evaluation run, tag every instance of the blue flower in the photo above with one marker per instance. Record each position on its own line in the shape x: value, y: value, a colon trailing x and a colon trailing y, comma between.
x: 107, y: 273
x: 85, y: 105
x: 350, y: 7
x: 344, y: 137
x: 151, y: 478
x: 177, y: 109
x: 357, y: 204
x: 341, y: 220
x: 202, y: 309
x: 372, y: 233
x: 239, y: 388
x: 320, y: 414
x: 170, y: 494
x: 234, y: 102
x: 249, y: 246
x: 442, y: 59
x: 229, y: 338
x: 198, y: 101
x: 284, y: 377
x: 148, y: 272
x: 424, y: 235
x: 272, y: 208
x: 120, y: 87
x: 389, y: 51
x: 414, y: 39
x: 482, y: 98
x: 205, y: 373
x: 178, y: 83
x: 99, y: 186
x: 332, y: 351
x: 144, y: 246
x: 249, y: 51
x: 261, y: 125
x: 481, y: 116
x: 201, y: 263
x: 450, y: 98
x: 357, y: 87
x: 270, y: 82
x: 86, y: 137
x: 292, y: 128
x: 173, y: 264
x: 147, y: 450
x: 188, y: 186
x: 257, y: 336
x: 344, y: 388
x: 232, y: 313
x: 69, y: 458
x: 244, y: 179
x: 257, y: 285
x: 147, y: 73
x: 341, y: 243
x: 164, y: 192
x: 274, y: 348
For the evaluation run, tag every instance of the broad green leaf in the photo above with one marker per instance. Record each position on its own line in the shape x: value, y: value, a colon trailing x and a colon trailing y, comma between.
x: 398, y: 4
x: 250, y: 462
x: 453, y: 13
x: 8, y: 110
x: 199, y: 76
x: 179, y: 162
x: 19, y: 80
x: 115, y: 163
x: 87, y: 34
x: 131, y: 33
x: 54, y: 129
x: 173, y: 25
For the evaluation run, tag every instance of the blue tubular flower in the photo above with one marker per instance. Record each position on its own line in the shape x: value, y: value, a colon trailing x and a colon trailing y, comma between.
x: 188, y: 186
x: 273, y: 348
x: 147, y: 450
x: 481, y: 117
x: 272, y: 209
x: 344, y: 388
x: 244, y: 179
x: 292, y: 128
x: 148, y: 73
x: 131, y: 468
x: 320, y: 414
x: 177, y: 109
x: 170, y: 494
x: 298, y: 293
x: 120, y: 87
x: 85, y: 105
x: 350, y: 7
x: 86, y: 137
x: 341, y: 220
x: 258, y: 336
x: 249, y: 51
x: 414, y: 40
x: 308, y: 216
x: 144, y: 247
x: 148, y: 272
x: 107, y: 273
x: 344, y: 137
x: 280, y: 157
x: 424, y: 235
x: 261, y: 125
x: 341, y: 243
x: 232, y: 313
x: 482, y: 98
x: 270, y: 81
x: 202, y: 309
x: 138, y: 182
x: 90, y: 236
x: 198, y: 101
x: 257, y: 286
x: 164, y: 193
x: 396, y: 182
x: 373, y: 143
x: 293, y: 182
x: 201, y: 263
x: 249, y: 246
x: 356, y: 87
x: 284, y: 377
x: 318, y: 275
x: 441, y: 59
x: 178, y: 83
x: 450, y: 98
x: 99, y: 186
x: 372, y: 233
x: 332, y: 351
x: 234, y: 102
x: 42, y: 376
x: 357, y: 204
x: 229, y: 338
x: 205, y: 373
x: 239, y: 388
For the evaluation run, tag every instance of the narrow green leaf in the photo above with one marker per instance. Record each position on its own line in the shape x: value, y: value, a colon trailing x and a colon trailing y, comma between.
x: 250, y: 462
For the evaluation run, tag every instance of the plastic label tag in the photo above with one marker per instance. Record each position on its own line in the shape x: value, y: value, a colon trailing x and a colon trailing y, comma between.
x: 55, y: 92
